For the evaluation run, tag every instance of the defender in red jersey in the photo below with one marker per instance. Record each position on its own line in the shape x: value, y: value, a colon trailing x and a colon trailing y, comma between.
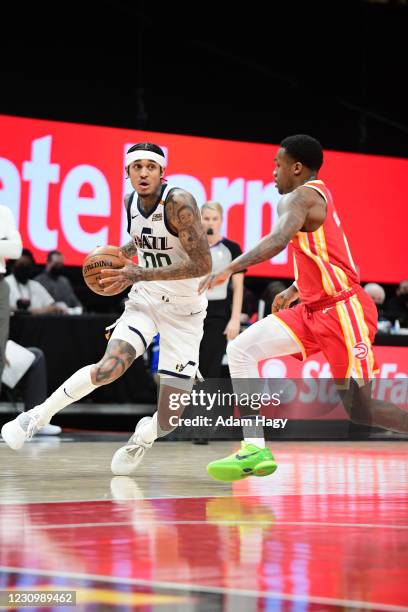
x: 334, y: 315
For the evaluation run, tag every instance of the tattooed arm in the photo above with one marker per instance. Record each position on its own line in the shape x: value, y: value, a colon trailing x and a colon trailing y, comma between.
x: 184, y: 218
x: 293, y: 212
x: 292, y: 218
x: 129, y: 249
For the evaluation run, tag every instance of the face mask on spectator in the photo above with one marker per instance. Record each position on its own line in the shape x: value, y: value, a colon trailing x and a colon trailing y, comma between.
x: 56, y: 271
x: 23, y: 273
x: 23, y: 304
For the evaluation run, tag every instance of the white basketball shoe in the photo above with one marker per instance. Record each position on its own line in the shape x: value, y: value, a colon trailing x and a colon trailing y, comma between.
x: 50, y: 430
x: 22, y: 428
x: 127, y: 458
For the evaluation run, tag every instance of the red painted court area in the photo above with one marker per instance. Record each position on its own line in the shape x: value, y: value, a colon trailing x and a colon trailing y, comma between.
x: 316, y: 551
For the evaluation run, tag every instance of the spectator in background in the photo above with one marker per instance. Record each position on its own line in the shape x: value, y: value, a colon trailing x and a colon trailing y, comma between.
x: 29, y: 256
x: 10, y: 247
x: 249, y: 312
x: 27, y: 295
x: 223, y: 319
x: 34, y: 383
x: 33, y: 387
x: 58, y: 285
x: 378, y: 295
x: 376, y: 292
x: 397, y: 306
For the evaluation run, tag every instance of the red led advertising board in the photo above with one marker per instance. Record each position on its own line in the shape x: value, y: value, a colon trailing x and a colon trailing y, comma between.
x: 65, y: 185
x: 310, y: 393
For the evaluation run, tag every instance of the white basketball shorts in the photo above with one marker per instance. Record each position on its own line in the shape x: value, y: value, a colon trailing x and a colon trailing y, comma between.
x: 179, y: 320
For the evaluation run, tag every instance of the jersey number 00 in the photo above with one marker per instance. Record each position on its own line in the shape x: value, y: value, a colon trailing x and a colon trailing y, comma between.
x: 156, y: 261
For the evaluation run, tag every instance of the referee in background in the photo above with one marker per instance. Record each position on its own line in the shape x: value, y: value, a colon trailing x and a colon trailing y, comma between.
x: 223, y: 319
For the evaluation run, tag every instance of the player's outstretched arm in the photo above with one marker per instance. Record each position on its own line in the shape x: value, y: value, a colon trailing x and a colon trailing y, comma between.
x: 294, y: 208
x: 293, y: 215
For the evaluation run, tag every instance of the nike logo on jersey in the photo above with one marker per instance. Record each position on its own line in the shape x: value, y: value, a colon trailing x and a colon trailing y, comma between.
x: 134, y: 216
x: 238, y: 456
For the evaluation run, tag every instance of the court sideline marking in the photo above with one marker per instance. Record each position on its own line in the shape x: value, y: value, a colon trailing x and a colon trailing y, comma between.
x: 207, y: 589
x: 209, y: 522
x: 259, y: 496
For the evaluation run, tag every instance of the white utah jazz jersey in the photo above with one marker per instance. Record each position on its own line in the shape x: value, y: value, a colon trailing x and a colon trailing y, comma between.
x: 157, y: 244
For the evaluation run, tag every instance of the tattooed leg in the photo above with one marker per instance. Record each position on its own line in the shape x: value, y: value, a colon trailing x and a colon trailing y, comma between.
x: 118, y: 357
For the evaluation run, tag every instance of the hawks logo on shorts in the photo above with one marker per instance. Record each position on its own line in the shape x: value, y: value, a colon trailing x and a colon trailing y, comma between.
x: 360, y: 350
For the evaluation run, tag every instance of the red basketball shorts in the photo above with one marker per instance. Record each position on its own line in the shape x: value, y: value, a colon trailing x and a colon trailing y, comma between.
x: 342, y: 330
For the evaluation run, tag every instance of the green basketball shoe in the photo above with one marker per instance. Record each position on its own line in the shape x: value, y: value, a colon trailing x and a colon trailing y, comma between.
x: 250, y: 460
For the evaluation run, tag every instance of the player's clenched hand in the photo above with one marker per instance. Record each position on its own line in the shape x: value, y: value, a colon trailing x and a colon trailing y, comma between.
x: 212, y: 280
x: 115, y: 278
x: 285, y: 298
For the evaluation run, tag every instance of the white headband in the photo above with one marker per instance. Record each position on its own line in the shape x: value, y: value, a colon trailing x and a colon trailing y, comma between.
x: 136, y: 155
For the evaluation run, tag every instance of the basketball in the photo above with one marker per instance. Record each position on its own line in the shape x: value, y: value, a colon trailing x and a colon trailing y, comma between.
x: 101, y: 258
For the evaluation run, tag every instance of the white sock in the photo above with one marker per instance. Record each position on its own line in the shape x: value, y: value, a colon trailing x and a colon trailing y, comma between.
x: 253, y: 433
x: 148, y: 432
x: 72, y: 390
x: 259, y: 442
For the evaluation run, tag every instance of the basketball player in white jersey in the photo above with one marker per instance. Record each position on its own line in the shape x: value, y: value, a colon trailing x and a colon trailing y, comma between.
x: 165, y: 225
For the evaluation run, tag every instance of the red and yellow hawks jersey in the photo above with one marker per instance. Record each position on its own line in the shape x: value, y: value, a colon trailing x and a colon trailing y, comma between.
x: 323, y: 263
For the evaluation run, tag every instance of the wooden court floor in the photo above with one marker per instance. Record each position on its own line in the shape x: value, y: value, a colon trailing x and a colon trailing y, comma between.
x: 327, y: 531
